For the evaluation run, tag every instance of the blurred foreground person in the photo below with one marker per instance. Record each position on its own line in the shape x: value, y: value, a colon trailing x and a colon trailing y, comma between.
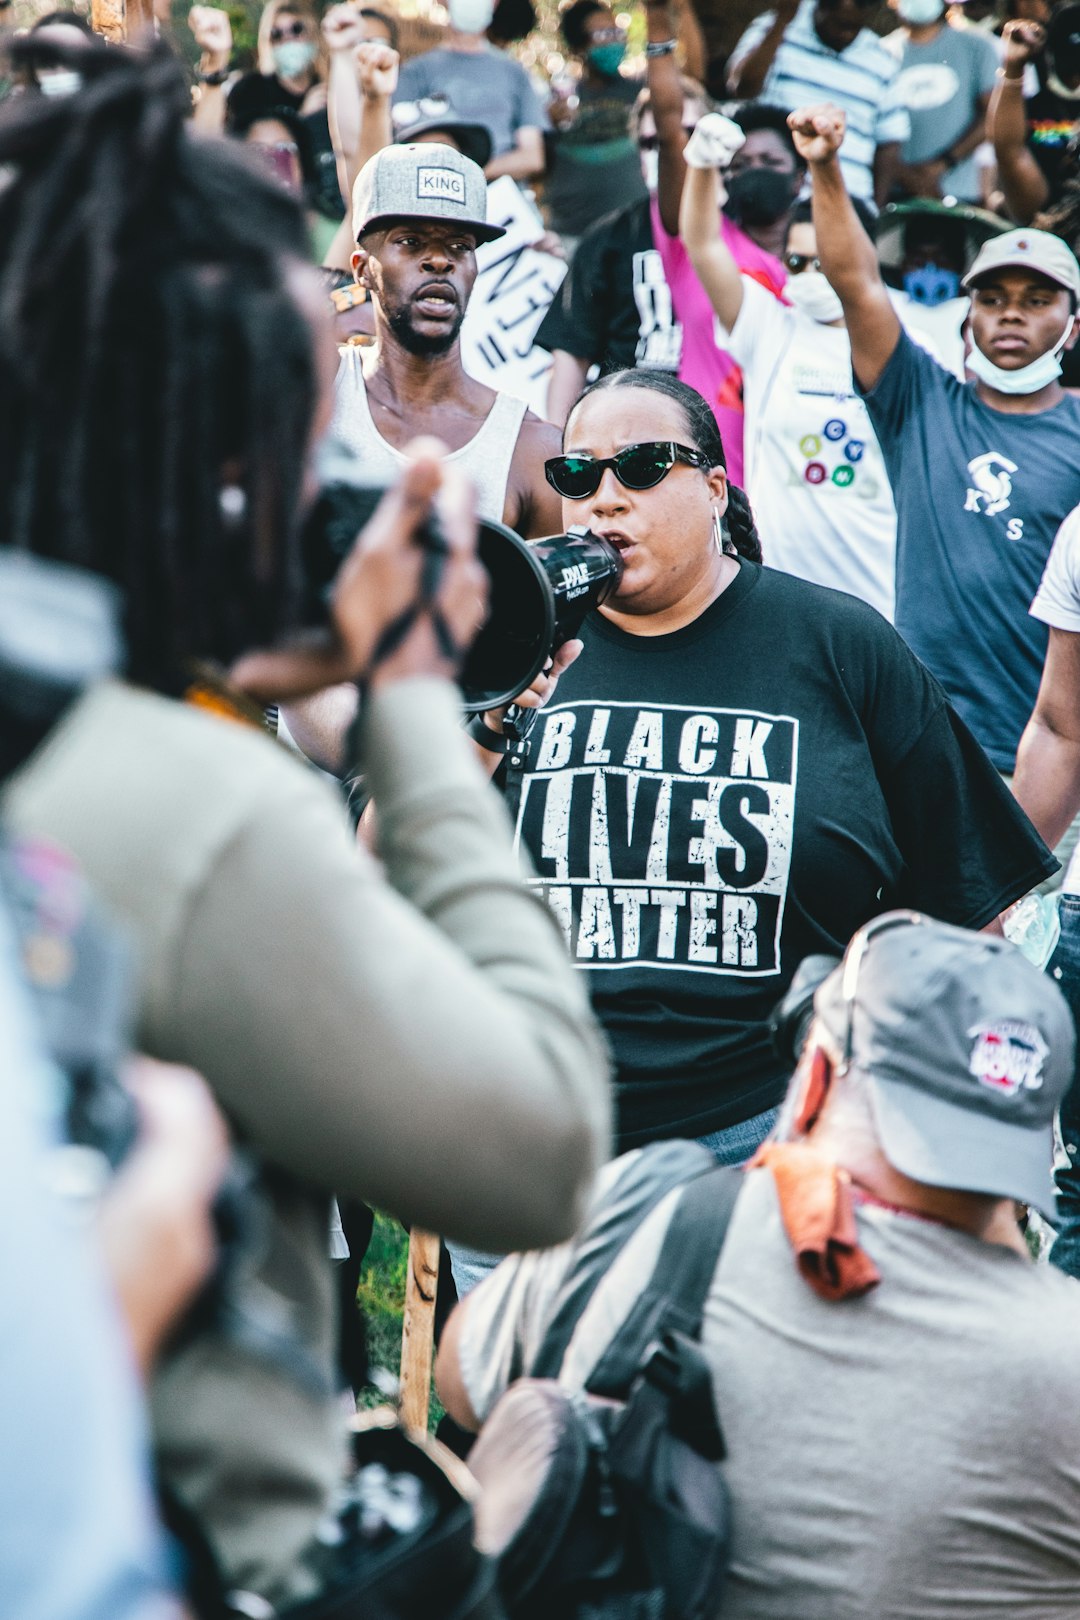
x: 417, y: 1040
x: 896, y: 1381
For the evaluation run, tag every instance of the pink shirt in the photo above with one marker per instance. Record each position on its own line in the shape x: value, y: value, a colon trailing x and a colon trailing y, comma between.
x: 710, y: 370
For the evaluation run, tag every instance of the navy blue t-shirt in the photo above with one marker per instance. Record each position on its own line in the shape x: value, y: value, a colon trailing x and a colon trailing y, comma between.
x: 979, y: 495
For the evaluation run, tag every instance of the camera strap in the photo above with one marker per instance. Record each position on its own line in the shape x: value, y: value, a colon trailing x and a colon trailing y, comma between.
x: 393, y: 634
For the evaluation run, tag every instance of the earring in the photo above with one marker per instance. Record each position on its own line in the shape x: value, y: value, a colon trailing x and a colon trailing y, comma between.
x: 232, y: 504
x: 718, y: 530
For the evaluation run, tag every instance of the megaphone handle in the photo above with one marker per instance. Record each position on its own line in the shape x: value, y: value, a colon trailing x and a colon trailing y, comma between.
x: 517, y: 724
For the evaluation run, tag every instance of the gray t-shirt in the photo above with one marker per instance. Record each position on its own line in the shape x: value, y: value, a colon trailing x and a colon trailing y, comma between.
x: 910, y: 1455
x: 483, y: 87
x: 940, y: 83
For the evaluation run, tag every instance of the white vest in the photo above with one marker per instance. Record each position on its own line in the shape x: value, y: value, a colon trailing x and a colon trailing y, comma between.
x: 485, y: 459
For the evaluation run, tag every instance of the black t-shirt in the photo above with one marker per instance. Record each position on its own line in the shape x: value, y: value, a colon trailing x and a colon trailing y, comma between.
x: 614, y: 308
x: 256, y: 95
x: 1051, y: 122
x: 706, y: 808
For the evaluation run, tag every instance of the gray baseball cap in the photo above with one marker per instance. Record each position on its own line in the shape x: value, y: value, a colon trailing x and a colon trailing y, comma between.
x: 428, y: 181
x: 968, y: 1050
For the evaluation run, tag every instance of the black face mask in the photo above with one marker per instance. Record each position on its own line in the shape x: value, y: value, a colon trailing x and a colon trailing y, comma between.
x: 761, y: 196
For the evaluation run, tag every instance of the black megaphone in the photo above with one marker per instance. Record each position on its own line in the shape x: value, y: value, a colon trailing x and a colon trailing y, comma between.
x: 540, y: 590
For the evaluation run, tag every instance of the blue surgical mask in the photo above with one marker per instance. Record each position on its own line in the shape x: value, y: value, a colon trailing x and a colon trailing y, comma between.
x: 292, y: 59
x: 607, y: 59
x: 930, y: 285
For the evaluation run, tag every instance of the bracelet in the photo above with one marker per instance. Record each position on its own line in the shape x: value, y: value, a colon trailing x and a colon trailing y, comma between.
x: 214, y: 78
x: 493, y: 742
x: 1009, y: 78
x: 661, y: 47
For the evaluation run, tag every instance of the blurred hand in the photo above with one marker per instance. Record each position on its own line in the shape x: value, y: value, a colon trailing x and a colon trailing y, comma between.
x: 342, y: 29
x: 550, y: 243
x: 378, y: 581
x: 385, y: 567
x: 542, y: 689
x: 714, y: 142
x: 817, y: 132
x: 213, y: 35
x: 1022, y: 41
x: 155, y: 1220
x: 377, y: 70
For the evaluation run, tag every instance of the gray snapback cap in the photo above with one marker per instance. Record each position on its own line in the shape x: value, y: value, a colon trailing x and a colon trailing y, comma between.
x: 427, y: 181
x: 968, y: 1050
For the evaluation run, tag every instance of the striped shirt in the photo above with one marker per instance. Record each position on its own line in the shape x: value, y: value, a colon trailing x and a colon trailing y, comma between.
x: 862, y: 80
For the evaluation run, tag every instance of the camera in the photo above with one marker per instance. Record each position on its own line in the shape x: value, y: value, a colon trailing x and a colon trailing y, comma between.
x: 540, y: 590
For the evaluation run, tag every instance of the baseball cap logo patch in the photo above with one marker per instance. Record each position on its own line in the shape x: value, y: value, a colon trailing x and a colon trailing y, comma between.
x: 445, y: 184
x: 1007, y: 1055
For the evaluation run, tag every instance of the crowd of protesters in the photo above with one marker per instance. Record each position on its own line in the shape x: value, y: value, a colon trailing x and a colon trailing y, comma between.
x: 712, y: 993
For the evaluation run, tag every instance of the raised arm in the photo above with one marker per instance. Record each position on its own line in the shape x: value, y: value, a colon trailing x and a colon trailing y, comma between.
x: 710, y: 148
x: 846, y: 252
x: 1019, y: 176
x: 1047, y: 779
x: 213, y: 35
x: 666, y: 104
x: 693, y: 51
x: 747, y: 75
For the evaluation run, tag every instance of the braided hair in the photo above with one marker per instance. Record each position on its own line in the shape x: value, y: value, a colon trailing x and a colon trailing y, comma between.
x: 704, y: 435
x: 151, y: 350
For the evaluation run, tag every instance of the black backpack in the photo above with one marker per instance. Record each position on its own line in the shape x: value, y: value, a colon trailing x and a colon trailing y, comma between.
x: 607, y: 1504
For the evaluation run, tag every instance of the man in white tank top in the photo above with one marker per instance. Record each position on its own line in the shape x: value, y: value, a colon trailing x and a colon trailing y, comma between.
x: 419, y: 213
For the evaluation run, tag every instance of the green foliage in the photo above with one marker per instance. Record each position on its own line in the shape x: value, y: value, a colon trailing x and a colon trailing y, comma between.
x: 381, y: 1297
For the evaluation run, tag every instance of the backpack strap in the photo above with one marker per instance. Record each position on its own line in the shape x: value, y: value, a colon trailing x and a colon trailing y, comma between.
x: 647, y: 1179
x: 672, y: 1304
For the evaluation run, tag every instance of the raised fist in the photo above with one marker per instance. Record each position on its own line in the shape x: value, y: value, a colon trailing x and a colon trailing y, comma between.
x: 714, y: 142
x: 1022, y: 42
x: 342, y: 28
x: 817, y: 132
x: 377, y: 69
x: 213, y: 35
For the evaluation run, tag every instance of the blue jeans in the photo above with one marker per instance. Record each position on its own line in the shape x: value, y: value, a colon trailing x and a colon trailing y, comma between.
x: 734, y: 1145
x: 1064, y: 966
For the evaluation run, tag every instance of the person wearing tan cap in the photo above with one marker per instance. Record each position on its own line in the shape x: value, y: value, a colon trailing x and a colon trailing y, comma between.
x: 896, y: 1381
x: 983, y: 472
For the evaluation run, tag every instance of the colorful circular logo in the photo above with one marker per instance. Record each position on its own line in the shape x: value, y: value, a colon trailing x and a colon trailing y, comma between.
x: 854, y: 451
x: 835, y: 429
x: 843, y: 476
x: 810, y: 446
x: 815, y: 473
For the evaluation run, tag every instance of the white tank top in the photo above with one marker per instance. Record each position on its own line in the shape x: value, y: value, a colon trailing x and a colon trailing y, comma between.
x: 485, y: 459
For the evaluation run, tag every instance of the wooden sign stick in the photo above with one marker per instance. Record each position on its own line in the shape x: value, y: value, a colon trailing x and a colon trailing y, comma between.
x: 418, y: 1330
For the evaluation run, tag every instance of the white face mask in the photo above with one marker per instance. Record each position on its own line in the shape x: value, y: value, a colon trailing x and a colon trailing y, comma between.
x: 812, y: 295
x: 470, y: 16
x: 1028, y: 379
x: 294, y: 58
x: 920, y: 12
x: 59, y: 81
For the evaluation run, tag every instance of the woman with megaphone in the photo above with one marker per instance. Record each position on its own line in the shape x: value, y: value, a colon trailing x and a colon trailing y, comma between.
x: 740, y: 770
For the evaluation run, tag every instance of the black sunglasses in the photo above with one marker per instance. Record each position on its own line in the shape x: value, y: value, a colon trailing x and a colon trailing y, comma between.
x: 638, y: 466
x: 281, y: 32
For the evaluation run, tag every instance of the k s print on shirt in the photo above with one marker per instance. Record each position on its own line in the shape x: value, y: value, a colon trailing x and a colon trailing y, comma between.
x: 990, y: 488
x: 661, y: 835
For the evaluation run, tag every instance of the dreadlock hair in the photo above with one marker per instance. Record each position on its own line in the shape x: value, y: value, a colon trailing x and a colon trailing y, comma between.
x: 704, y: 435
x: 150, y: 350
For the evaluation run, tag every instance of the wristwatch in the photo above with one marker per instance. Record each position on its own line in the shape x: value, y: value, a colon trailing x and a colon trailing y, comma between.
x: 214, y: 78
